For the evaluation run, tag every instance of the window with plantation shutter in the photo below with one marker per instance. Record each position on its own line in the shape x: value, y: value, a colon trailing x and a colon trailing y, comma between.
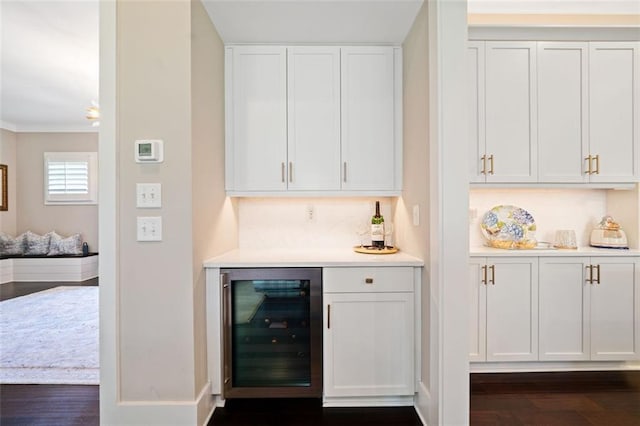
x: 70, y: 177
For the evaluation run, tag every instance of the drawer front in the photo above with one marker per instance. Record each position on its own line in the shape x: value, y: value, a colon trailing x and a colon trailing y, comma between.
x: 366, y: 279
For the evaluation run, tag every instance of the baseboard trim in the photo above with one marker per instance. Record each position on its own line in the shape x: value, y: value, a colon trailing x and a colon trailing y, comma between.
x: 193, y: 412
x: 366, y: 401
x: 548, y: 366
x: 423, y: 403
x: 205, y: 405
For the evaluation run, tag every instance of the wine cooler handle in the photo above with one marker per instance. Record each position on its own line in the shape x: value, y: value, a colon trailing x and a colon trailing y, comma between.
x: 227, y: 320
x: 328, y: 316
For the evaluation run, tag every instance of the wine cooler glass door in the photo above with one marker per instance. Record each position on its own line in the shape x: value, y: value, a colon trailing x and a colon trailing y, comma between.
x: 272, y: 348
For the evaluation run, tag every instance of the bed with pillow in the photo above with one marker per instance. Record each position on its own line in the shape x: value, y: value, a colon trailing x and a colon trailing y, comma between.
x: 49, y: 257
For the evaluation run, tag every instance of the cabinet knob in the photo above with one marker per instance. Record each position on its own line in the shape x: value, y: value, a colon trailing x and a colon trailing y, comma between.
x: 368, y: 280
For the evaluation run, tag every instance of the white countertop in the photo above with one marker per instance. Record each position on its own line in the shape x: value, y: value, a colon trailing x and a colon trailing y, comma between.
x: 245, y: 258
x: 580, y: 251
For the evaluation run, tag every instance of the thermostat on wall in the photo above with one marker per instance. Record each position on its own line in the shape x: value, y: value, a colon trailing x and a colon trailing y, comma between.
x: 149, y: 151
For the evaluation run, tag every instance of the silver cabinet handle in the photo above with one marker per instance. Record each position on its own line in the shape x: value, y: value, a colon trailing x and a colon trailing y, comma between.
x: 344, y: 171
x: 290, y: 171
x: 328, y: 316
x: 282, y: 171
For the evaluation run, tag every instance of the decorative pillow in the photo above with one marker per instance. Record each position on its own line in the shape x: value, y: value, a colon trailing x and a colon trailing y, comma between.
x: 10, y: 245
x: 37, y: 244
x: 61, y: 245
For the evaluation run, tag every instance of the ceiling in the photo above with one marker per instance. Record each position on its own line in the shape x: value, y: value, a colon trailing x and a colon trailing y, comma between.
x: 49, y: 64
x: 49, y: 48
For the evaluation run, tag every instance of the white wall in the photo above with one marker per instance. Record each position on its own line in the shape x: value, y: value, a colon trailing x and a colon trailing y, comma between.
x: 161, y: 77
x: 416, y: 192
x: 8, y: 156
x: 552, y: 209
x: 266, y: 223
x: 32, y: 214
x: 214, y: 215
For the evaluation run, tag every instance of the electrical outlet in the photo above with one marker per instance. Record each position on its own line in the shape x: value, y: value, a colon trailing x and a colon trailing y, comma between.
x: 416, y: 215
x: 149, y: 228
x: 310, y: 213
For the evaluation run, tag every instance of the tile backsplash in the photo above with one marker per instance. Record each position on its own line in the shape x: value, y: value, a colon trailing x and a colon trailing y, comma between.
x: 284, y: 222
x: 552, y: 209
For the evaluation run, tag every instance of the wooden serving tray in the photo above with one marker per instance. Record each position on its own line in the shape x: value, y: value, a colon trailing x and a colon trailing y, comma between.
x: 375, y: 250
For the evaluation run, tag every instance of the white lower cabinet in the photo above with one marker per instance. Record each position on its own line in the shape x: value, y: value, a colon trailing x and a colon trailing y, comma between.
x: 589, y: 308
x: 504, y: 314
x: 368, y: 336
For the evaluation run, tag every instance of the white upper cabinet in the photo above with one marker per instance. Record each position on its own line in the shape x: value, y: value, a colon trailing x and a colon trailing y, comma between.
x: 475, y: 68
x: 256, y: 119
x: 510, y: 119
x: 614, y: 111
x: 369, y: 106
x: 562, y: 112
x: 313, y: 120
x: 554, y: 112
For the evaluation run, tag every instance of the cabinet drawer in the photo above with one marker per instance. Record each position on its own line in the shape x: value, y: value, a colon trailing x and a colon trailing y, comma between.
x: 358, y: 280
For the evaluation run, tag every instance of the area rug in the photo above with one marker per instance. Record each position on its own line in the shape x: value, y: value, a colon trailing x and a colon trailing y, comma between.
x: 50, y: 337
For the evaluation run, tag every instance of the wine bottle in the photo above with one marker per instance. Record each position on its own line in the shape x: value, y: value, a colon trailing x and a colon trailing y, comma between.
x: 377, y: 228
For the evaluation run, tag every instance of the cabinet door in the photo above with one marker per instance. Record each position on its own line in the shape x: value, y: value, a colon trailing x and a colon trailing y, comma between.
x: 563, y: 309
x: 614, y: 116
x: 477, y: 312
x: 368, y: 344
x: 512, y: 309
x: 314, y: 118
x: 256, y: 98
x: 510, y: 111
x: 615, y: 309
x: 562, y: 112
x: 368, y: 118
x: 475, y: 68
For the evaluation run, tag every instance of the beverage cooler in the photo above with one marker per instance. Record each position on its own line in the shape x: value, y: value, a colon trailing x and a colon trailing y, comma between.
x: 272, y: 332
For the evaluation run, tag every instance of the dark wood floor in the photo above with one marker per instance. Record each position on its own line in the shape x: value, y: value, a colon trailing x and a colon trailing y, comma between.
x: 15, y: 289
x: 49, y: 405
x: 563, y: 399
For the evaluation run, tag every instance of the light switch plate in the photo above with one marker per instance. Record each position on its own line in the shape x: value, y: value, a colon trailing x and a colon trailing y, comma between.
x: 416, y: 215
x: 148, y: 195
x: 149, y: 228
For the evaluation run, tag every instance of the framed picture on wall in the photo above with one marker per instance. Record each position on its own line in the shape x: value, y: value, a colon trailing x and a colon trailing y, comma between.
x: 4, y: 188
